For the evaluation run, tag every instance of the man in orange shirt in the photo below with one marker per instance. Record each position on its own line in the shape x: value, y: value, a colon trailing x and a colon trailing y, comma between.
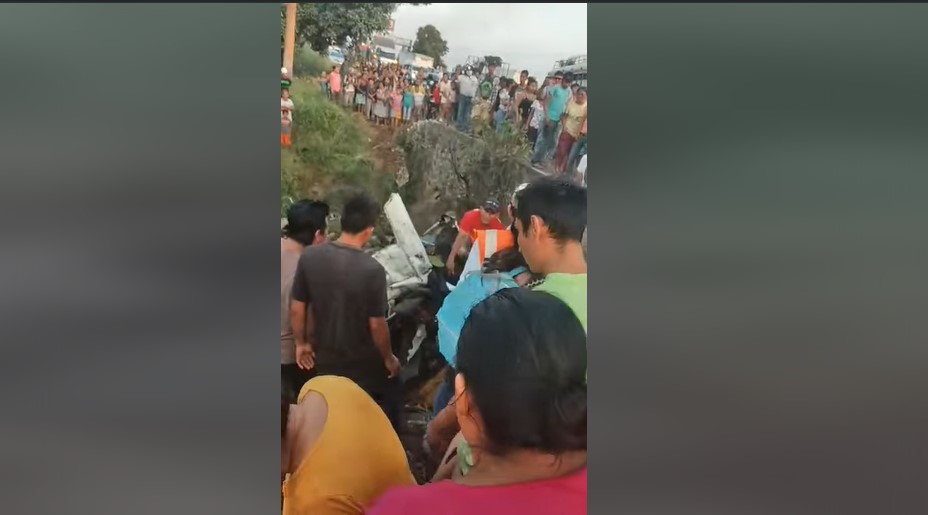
x: 335, y: 83
x: 481, y: 219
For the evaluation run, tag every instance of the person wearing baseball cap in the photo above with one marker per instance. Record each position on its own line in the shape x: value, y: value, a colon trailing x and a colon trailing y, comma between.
x: 484, y: 218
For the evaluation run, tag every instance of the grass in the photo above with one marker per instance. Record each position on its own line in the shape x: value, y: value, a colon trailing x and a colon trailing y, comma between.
x: 331, y: 152
x: 307, y: 63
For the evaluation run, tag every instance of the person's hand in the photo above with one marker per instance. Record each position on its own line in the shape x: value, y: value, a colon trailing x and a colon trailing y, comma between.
x: 305, y: 356
x: 393, y: 366
x: 450, y: 264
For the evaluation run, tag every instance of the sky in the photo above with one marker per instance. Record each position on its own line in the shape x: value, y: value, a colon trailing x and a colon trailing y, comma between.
x: 555, y: 31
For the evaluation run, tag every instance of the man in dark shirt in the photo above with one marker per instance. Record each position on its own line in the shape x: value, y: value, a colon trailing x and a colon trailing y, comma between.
x: 339, y: 304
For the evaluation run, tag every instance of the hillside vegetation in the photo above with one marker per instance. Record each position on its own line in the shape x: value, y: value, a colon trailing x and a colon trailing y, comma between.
x: 331, y: 151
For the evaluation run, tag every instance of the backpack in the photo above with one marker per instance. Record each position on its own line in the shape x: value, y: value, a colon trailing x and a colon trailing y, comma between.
x: 470, y: 291
x: 486, y: 89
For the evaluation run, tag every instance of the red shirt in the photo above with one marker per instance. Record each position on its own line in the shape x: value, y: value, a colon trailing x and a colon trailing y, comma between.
x: 471, y: 221
x: 561, y: 496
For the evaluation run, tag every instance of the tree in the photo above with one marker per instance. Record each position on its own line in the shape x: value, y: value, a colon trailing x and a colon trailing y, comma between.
x: 429, y: 42
x: 322, y: 24
x: 493, y: 60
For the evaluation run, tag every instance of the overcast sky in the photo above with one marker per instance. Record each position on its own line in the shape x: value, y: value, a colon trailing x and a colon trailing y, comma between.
x: 527, y: 36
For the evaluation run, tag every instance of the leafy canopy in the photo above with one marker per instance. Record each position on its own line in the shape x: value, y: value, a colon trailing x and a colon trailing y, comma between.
x: 322, y: 24
x: 429, y: 42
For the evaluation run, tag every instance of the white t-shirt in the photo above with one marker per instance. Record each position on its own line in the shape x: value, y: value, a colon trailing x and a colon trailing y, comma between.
x: 467, y: 85
x: 503, y: 100
x: 538, y: 115
x: 287, y: 105
x: 445, y: 88
x: 581, y: 168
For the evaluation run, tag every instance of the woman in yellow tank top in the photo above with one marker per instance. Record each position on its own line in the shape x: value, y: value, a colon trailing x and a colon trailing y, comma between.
x: 338, y: 450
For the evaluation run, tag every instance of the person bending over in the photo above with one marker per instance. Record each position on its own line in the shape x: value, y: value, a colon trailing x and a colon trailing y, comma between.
x: 337, y: 450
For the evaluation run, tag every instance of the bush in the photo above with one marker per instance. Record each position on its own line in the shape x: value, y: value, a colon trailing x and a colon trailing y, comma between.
x: 308, y: 63
x: 451, y: 171
x: 331, y: 152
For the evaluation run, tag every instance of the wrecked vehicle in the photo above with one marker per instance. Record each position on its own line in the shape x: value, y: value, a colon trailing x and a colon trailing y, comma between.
x: 415, y: 291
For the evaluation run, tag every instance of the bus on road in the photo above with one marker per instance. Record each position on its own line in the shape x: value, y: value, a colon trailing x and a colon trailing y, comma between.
x: 575, y: 64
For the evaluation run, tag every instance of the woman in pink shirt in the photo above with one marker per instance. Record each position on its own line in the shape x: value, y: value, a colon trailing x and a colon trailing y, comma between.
x: 396, y: 104
x: 520, y: 398
x: 335, y: 83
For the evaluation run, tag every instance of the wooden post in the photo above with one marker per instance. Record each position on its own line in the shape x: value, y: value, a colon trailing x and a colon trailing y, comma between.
x: 289, y: 38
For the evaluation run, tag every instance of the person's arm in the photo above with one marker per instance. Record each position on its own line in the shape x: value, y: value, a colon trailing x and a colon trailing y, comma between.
x: 449, y: 469
x: 377, y: 322
x: 460, y: 241
x: 544, y: 106
x: 441, y: 430
x: 301, y: 320
x: 566, y: 111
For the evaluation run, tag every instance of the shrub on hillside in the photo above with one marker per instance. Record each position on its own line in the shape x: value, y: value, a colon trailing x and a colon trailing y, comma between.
x: 330, y: 153
x: 307, y: 63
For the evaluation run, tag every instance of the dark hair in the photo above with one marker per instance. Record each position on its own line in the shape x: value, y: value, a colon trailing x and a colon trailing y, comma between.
x: 559, y: 202
x: 504, y: 260
x: 304, y: 219
x: 532, y: 80
x: 568, y: 77
x: 507, y: 259
x: 523, y: 72
x: 581, y: 88
x: 360, y: 212
x: 523, y: 356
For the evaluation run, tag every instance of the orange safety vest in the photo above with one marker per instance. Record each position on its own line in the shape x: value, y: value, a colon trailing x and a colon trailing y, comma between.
x: 491, y: 241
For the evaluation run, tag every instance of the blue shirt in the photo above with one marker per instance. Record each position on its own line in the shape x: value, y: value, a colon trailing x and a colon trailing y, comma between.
x: 559, y: 98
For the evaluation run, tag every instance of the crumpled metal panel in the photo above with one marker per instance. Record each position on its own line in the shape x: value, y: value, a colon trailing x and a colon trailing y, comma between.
x: 406, y: 261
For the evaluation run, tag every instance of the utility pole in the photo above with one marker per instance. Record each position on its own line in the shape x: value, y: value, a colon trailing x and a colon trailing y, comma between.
x: 289, y: 37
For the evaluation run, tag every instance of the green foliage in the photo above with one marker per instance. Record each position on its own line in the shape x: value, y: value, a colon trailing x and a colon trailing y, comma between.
x: 493, y: 60
x: 429, y: 42
x: 309, y: 63
x: 330, y: 154
x: 322, y: 24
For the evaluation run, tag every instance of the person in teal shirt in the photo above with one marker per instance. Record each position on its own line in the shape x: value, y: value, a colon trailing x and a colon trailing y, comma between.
x: 556, y: 97
x: 408, y: 98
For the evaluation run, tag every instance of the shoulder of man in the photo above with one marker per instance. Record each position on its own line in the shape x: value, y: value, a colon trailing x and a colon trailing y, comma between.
x: 370, y: 267
x: 314, y: 251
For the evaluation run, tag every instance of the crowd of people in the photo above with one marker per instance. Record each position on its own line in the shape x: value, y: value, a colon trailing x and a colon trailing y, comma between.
x: 389, y: 94
x: 551, y: 115
x: 509, y: 435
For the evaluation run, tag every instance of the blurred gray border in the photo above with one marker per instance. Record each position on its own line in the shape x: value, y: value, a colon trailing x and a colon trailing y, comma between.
x: 140, y: 173
x: 757, y: 314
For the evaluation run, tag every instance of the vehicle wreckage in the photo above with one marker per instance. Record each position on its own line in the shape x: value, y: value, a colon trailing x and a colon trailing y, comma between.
x: 415, y: 289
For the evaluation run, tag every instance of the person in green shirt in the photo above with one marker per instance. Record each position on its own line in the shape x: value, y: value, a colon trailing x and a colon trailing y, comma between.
x: 550, y: 218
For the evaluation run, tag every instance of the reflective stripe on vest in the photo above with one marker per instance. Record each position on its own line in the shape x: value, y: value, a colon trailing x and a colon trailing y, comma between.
x: 491, y: 241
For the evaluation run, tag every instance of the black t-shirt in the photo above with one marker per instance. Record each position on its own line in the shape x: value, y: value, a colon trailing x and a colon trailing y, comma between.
x: 526, y: 107
x: 344, y: 288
